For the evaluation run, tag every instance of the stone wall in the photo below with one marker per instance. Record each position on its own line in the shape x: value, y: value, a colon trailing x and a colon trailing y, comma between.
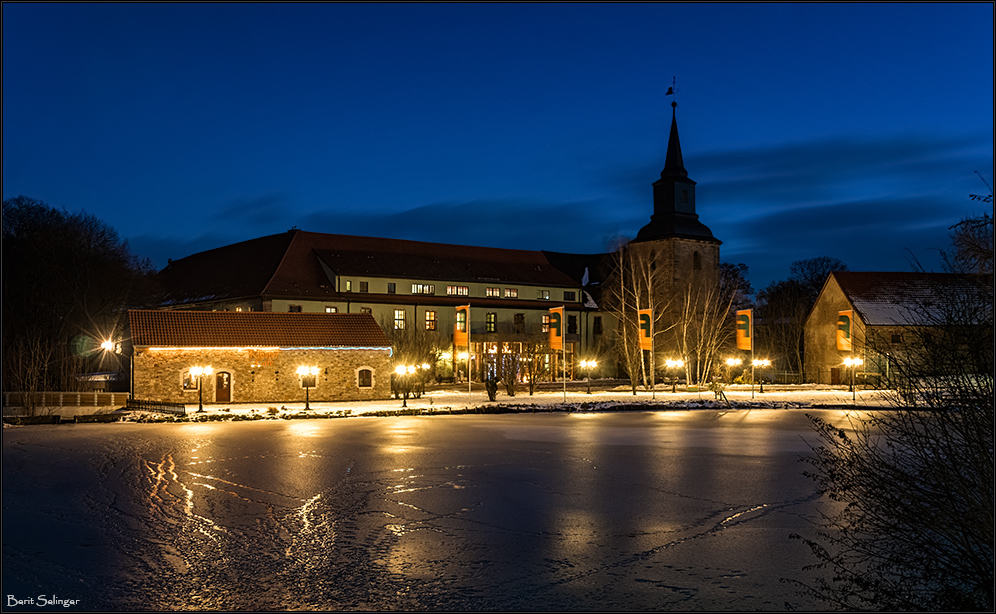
x: 821, y: 355
x: 261, y: 375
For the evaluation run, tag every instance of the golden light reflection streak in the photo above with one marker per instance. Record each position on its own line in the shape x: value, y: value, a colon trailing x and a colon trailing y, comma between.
x: 401, y: 436
x: 306, y: 510
x: 303, y: 429
x: 575, y: 527
x: 164, y: 473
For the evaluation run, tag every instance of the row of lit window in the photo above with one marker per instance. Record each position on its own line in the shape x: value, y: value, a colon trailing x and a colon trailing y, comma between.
x: 491, y: 292
x: 490, y: 321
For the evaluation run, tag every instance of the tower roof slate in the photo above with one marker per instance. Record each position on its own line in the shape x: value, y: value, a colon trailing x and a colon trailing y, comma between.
x: 674, y: 166
x: 667, y: 221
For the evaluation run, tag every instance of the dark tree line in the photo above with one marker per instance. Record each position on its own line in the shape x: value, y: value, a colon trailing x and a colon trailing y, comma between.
x: 67, y: 277
x: 783, y: 306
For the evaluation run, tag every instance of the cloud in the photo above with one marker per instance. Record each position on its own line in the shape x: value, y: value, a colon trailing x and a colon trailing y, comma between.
x: 507, y: 223
x: 867, y: 235
x: 160, y: 250
x: 819, y: 171
x: 868, y: 202
x: 268, y: 211
x: 874, y: 203
x: 840, y: 169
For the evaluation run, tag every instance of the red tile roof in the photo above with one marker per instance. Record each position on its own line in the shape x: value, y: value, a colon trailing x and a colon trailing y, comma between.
x: 292, y: 265
x: 240, y: 270
x: 162, y: 328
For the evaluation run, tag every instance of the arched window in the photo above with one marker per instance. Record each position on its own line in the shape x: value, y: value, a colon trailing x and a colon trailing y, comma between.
x: 364, y: 378
x: 696, y: 261
x: 684, y: 196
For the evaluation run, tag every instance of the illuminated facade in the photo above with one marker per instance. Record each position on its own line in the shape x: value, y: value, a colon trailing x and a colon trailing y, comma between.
x: 874, y: 316
x: 219, y: 357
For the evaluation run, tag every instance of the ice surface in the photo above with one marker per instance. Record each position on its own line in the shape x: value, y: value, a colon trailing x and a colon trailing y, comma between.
x: 547, y: 511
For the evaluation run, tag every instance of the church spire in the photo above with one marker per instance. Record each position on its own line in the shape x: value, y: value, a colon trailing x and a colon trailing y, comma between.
x: 674, y: 196
x: 673, y: 164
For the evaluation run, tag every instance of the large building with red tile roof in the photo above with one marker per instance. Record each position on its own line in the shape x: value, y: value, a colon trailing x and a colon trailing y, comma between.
x: 412, y: 285
x: 254, y: 357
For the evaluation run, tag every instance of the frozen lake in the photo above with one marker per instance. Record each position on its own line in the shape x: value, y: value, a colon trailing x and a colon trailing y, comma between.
x: 678, y: 510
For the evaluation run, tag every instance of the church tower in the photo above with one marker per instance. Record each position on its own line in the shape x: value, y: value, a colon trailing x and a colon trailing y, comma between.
x: 675, y: 238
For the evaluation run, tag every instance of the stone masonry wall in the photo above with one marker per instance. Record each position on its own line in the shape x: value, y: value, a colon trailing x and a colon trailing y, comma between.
x: 262, y: 375
x: 820, y: 336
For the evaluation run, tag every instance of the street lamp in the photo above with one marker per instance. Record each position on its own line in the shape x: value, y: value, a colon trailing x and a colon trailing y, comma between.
x: 199, y: 372
x: 674, y: 365
x: 759, y: 363
x: 730, y: 364
x: 853, y: 363
x: 404, y: 376
x: 308, y: 380
x: 588, y: 365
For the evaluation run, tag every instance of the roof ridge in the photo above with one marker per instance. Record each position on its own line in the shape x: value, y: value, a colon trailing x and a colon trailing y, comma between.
x: 276, y: 271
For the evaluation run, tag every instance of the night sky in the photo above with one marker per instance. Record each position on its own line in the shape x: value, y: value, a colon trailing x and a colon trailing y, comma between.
x: 846, y: 130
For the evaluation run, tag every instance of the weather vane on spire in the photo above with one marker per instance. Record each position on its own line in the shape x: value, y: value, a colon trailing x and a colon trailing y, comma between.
x: 672, y: 91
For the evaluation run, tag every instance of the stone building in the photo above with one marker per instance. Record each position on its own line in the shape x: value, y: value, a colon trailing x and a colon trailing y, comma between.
x: 254, y: 356
x: 880, y: 315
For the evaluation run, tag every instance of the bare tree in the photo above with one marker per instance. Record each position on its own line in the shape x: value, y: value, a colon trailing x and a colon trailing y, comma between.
x: 972, y: 246
x: 415, y: 346
x: 813, y: 272
x: 783, y: 306
x: 781, y: 317
x: 535, y: 352
x: 914, y: 529
x: 704, y: 327
x: 636, y: 283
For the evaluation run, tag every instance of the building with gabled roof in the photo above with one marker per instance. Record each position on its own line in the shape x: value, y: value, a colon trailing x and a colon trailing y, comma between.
x: 878, y: 311
x: 402, y: 284
x: 255, y: 356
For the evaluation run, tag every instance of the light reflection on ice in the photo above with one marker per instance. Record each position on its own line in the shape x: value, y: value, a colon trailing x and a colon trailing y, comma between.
x: 591, y: 511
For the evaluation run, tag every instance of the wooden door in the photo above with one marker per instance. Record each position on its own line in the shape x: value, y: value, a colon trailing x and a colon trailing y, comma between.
x: 834, y: 376
x: 223, y: 387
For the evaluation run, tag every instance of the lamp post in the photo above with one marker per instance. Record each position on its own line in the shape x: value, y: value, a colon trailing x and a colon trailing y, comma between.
x: 308, y: 380
x: 759, y: 363
x: 199, y: 373
x: 588, y: 365
x: 423, y: 376
x: 466, y: 356
x: 853, y: 363
x: 675, y: 365
x: 404, y: 376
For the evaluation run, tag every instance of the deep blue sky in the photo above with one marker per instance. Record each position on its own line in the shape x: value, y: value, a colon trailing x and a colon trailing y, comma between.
x: 845, y: 130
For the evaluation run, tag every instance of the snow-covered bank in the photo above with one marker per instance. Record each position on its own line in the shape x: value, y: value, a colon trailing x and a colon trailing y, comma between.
x: 452, y: 400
